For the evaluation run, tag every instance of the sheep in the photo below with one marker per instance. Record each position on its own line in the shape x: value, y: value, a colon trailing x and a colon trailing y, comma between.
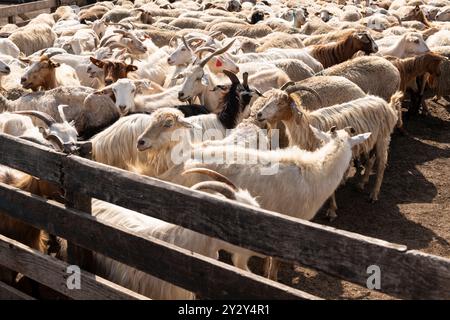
x: 9, y: 48
x: 47, y: 74
x: 93, y: 13
x: 408, y: 45
x: 33, y: 37
x: 188, y: 23
x: 276, y: 54
x: 279, y: 40
x: 441, y: 85
x: 331, y: 90
x: 439, y: 39
x: 147, y: 226
x: 366, y: 72
x: 443, y: 14
x: 331, y: 54
x: 369, y: 113
x: 252, y: 31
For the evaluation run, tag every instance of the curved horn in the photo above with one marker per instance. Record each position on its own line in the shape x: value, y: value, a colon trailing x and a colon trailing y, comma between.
x: 304, y: 88
x: 56, y: 141
x: 214, y: 33
x: 213, y: 174
x: 46, y: 118
x: 234, y: 79
x: 171, y: 39
x: 203, y: 62
x: 185, y: 43
x: 52, y: 54
x: 122, y: 32
x: 286, y: 85
x: 105, y: 39
x: 219, y: 187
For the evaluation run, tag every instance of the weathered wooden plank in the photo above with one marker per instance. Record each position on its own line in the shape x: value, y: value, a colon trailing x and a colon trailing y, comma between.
x: 12, y: 19
x: 14, y: 10
x: 76, y: 200
x: 54, y: 273
x: 208, y: 277
x: 31, y: 158
x: 9, y: 293
x: 344, y: 254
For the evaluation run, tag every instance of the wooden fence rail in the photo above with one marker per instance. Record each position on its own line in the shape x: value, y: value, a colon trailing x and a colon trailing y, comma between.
x: 404, y: 273
x: 22, y: 10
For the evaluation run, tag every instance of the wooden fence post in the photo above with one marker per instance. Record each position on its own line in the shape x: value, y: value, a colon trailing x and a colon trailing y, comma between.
x: 75, y: 254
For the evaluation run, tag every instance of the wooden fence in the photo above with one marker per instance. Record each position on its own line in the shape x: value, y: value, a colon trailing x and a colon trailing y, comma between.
x: 23, y: 10
x: 346, y: 255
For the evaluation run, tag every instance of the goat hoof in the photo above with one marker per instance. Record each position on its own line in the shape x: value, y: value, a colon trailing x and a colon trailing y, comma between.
x: 331, y: 215
x: 373, y: 199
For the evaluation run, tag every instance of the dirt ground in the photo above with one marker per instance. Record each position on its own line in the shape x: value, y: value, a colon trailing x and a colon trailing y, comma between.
x: 413, y: 208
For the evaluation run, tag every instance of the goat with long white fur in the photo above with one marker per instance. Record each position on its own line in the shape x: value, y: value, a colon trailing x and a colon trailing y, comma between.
x: 150, y: 227
x: 364, y: 114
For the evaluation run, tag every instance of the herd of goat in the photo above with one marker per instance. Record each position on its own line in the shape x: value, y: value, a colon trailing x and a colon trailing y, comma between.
x: 319, y: 85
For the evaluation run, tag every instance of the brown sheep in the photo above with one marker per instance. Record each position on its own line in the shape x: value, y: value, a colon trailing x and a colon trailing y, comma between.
x: 334, y: 53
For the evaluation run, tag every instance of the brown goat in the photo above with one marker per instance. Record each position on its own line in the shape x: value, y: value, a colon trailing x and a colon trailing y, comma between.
x: 342, y: 50
x: 411, y: 68
x: 417, y: 14
x: 20, y: 231
x: 47, y: 75
x: 113, y: 70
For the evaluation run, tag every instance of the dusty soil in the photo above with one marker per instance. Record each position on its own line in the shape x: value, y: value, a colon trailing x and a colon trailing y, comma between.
x: 413, y: 209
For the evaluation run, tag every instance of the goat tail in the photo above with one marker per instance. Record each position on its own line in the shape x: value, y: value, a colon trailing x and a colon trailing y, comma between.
x: 396, y: 104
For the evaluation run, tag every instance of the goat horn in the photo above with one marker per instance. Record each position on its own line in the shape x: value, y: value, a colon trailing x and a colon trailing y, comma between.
x: 56, y: 140
x: 213, y: 174
x: 185, y: 43
x: 46, y: 118
x: 304, y: 88
x: 203, y: 62
x: 234, y: 79
x: 171, y: 39
x: 52, y: 54
x: 214, y: 33
x: 104, y: 40
x: 219, y: 187
x: 123, y: 32
x: 286, y: 85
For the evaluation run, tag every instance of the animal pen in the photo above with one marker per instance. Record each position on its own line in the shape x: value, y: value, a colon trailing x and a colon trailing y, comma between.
x: 22, y: 10
x: 345, y: 255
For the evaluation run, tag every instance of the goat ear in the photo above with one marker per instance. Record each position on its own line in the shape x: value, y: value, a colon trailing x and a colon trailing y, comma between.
x: 131, y: 67
x: 360, y: 138
x: 320, y: 134
x: 98, y: 63
x: 105, y: 90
